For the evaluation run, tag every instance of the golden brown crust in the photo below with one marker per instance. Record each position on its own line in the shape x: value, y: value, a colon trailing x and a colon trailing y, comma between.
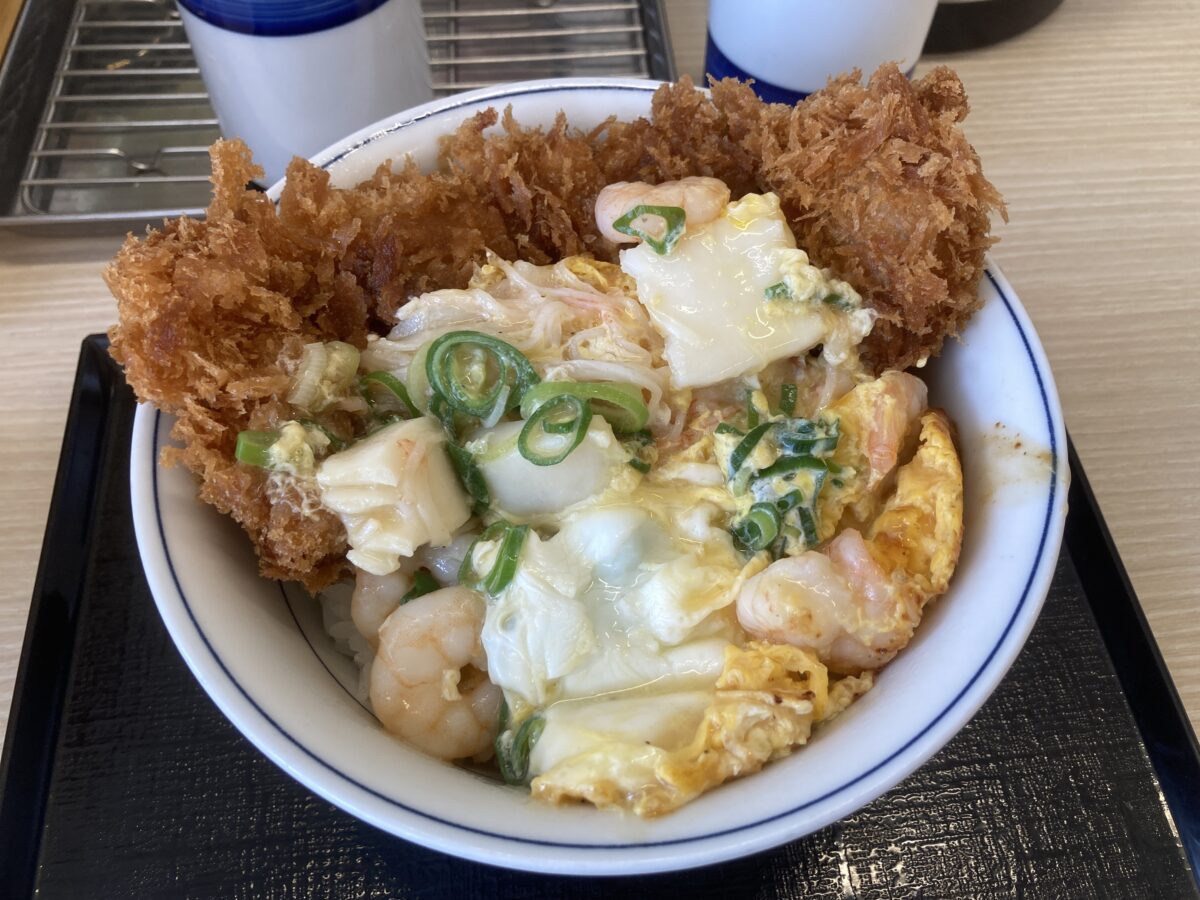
x: 881, y: 185
x: 878, y: 183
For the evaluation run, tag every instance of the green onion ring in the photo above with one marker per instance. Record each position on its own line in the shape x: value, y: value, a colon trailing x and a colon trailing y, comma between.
x: 393, y: 384
x: 566, y: 417
x: 468, y: 386
x: 759, y: 527
x: 808, y: 437
x: 808, y: 526
x: 503, y: 719
x: 472, y: 479
x: 253, y: 446
x: 621, y: 404
x: 746, y: 446
x: 788, y: 465
x: 674, y: 217
x: 513, y: 750
x: 512, y: 539
x: 788, y: 502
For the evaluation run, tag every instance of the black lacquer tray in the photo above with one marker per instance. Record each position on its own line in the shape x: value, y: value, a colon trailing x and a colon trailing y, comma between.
x: 1079, y: 778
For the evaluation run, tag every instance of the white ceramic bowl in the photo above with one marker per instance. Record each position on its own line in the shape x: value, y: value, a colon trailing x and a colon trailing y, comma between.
x: 259, y: 650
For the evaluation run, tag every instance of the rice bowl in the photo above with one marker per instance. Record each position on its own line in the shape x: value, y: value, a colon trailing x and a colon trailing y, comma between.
x: 272, y: 669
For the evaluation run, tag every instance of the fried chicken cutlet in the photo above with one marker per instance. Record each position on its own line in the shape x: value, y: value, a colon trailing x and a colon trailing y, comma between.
x: 878, y: 182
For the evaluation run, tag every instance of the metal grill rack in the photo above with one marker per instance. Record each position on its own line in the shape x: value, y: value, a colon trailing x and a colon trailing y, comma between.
x: 125, y: 123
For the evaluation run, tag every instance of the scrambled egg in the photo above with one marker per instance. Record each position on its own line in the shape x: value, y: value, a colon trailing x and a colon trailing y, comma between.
x: 652, y: 755
x: 619, y: 599
x: 919, y: 530
x: 619, y: 631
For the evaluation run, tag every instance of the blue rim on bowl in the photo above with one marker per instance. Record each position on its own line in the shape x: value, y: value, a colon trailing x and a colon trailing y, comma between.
x: 455, y: 833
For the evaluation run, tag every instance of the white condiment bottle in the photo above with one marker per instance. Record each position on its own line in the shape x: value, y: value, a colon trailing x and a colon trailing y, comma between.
x: 291, y: 77
x: 791, y: 47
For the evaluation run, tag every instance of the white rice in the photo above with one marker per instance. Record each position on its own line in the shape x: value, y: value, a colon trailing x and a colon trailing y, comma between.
x: 335, y: 616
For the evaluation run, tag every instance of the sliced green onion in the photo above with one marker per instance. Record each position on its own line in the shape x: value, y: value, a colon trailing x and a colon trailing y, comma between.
x: 778, y: 291
x: 746, y: 446
x: 638, y: 445
x: 253, y: 447
x: 758, y: 528
x: 621, y: 404
x: 673, y: 218
x: 787, y: 399
x: 751, y: 414
x: 808, y: 526
x: 477, y: 374
x: 512, y: 539
x: 726, y: 428
x: 808, y: 437
x: 393, y: 384
x: 837, y: 301
x: 423, y: 583
x: 556, y: 428
x: 559, y: 426
x: 788, y: 502
x: 790, y: 465
x: 513, y: 749
x: 325, y: 371
x: 472, y: 479
x: 335, y: 443
x: 499, y: 407
x: 455, y: 423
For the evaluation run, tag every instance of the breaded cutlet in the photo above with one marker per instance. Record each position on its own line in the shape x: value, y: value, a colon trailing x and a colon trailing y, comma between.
x: 878, y: 182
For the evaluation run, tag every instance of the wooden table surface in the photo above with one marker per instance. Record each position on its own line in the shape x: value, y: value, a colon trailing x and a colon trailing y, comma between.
x: 1089, y: 124
x: 9, y: 10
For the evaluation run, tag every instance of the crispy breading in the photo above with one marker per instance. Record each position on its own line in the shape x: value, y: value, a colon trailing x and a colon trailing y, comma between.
x: 878, y: 182
x: 881, y: 185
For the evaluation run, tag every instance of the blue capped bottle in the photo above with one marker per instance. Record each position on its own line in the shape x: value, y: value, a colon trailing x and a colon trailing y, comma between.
x: 791, y: 47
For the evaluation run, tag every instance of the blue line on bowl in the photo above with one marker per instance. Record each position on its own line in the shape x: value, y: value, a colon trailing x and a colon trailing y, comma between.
x: 1037, y: 564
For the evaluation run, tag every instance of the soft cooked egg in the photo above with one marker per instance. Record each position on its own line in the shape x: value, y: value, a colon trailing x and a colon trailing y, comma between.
x: 394, y: 491
x: 666, y: 721
x: 920, y: 528
x: 709, y: 298
x: 617, y: 600
x: 653, y: 754
x: 522, y: 491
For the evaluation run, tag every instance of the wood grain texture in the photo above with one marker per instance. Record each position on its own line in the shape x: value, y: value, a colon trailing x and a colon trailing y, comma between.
x: 1089, y: 124
x: 9, y: 10
x: 51, y: 298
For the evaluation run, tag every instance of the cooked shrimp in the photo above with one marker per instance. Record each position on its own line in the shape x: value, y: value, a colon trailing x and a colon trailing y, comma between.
x: 375, y: 598
x: 702, y: 200
x: 856, y: 603
x: 820, y: 384
x: 429, y: 682
x: 876, y: 419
